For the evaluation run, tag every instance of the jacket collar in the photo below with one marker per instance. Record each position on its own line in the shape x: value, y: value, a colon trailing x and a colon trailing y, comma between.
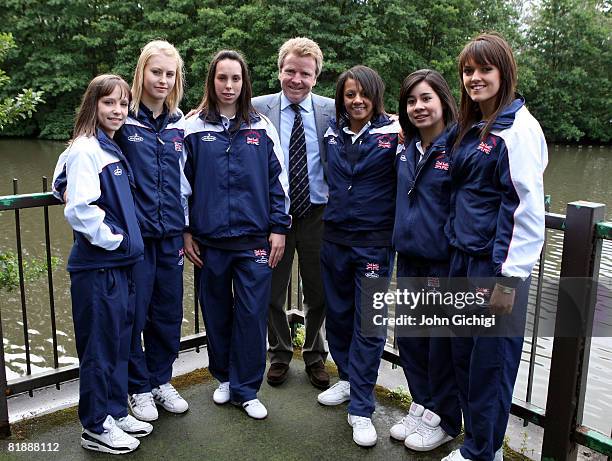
x: 375, y: 122
x: 109, y: 145
x: 505, y: 118
x: 145, y: 115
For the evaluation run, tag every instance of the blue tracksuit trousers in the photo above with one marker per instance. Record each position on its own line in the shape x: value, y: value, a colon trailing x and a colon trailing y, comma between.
x: 427, y: 362
x: 486, y: 367
x: 103, y: 304
x: 236, y: 320
x: 343, y: 270
x: 159, y: 313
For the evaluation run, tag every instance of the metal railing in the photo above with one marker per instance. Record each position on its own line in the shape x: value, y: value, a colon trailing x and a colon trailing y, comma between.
x: 584, y: 231
x: 59, y: 374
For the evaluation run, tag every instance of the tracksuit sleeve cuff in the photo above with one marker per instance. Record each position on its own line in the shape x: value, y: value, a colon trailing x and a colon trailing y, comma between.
x: 510, y: 282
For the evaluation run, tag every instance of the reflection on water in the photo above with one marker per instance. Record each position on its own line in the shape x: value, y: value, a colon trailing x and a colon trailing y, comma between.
x: 572, y: 174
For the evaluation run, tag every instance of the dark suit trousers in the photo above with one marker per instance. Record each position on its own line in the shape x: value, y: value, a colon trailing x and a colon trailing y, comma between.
x: 305, y: 238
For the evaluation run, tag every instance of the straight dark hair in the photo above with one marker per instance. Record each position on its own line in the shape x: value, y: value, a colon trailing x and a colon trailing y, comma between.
x: 493, y: 49
x: 439, y: 86
x: 210, y: 102
x: 373, y: 88
x: 86, y: 121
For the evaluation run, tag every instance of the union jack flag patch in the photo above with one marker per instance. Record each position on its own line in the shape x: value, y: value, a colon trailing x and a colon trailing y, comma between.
x: 261, y: 255
x: 178, y: 146
x: 484, y: 147
x: 373, y: 269
x: 433, y: 282
x: 252, y: 138
x: 440, y: 165
x: 384, y: 142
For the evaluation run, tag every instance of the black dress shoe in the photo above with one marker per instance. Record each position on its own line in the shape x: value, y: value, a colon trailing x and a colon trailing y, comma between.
x: 319, y: 378
x: 277, y: 374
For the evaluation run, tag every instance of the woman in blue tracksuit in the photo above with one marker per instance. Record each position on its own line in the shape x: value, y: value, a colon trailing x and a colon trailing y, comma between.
x: 427, y: 114
x: 95, y: 180
x: 496, y: 231
x: 238, y: 222
x: 152, y: 140
x: 356, y: 248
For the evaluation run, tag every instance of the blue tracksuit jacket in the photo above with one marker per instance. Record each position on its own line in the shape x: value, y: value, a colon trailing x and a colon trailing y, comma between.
x: 497, y: 200
x: 423, y: 199
x: 362, y: 184
x: 155, y: 151
x: 100, y: 206
x: 238, y: 181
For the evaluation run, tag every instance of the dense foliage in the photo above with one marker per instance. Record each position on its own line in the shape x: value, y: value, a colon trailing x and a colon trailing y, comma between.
x: 562, y: 47
x: 14, y: 108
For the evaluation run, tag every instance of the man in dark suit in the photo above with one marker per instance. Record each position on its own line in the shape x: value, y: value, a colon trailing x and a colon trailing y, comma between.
x: 301, y: 118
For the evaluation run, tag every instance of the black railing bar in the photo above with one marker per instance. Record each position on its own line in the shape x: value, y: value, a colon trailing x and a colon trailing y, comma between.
x: 24, y: 314
x: 193, y: 342
x: 528, y: 412
x: 5, y: 428
x: 14, y: 202
x: 42, y: 379
x: 555, y: 221
x: 536, y: 322
x: 71, y: 372
x: 536, y: 325
x: 50, y: 280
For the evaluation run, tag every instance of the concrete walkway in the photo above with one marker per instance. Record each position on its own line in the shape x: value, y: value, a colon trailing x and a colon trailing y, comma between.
x: 297, y: 428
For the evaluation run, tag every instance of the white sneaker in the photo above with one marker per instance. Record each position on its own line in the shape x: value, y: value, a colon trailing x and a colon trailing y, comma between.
x: 408, y: 424
x: 222, y: 393
x: 455, y: 455
x: 499, y: 455
x: 113, y: 440
x: 428, y: 435
x: 133, y: 427
x: 335, y: 395
x: 255, y: 409
x: 143, y: 407
x: 168, y: 397
x: 364, y: 432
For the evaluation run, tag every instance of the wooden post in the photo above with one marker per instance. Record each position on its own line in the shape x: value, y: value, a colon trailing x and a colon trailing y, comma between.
x: 573, y: 329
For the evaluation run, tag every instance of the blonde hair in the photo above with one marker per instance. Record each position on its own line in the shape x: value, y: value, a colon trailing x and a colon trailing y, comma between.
x: 301, y: 47
x: 86, y: 121
x: 153, y: 48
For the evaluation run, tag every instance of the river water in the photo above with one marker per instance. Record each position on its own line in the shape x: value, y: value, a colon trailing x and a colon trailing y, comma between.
x: 572, y: 174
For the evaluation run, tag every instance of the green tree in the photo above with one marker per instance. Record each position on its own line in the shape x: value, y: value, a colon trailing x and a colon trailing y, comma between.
x: 569, y: 55
x: 61, y: 46
x: 22, y: 105
x: 11, y: 110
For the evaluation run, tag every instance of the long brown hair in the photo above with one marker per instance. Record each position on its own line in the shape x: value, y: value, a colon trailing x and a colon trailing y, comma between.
x: 210, y: 102
x: 493, y: 49
x: 86, y: 121
x: 440, y: 87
